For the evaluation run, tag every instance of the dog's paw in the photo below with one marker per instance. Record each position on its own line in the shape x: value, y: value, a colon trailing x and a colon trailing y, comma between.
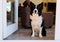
x: 40, y: 36
x: 32, y: 36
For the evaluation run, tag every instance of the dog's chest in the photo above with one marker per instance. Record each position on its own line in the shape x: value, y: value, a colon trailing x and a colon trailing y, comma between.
x: 36, y: 32
x: 36, y: 21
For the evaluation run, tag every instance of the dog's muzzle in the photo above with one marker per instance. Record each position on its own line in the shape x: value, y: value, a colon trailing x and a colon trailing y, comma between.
x: 35, y: 11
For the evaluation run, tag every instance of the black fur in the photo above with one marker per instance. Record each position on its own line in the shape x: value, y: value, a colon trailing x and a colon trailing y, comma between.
x: 40, y: 7
x: 43, y: 29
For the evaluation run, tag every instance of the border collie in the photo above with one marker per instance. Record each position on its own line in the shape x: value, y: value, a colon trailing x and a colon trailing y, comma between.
x: 37, y: 24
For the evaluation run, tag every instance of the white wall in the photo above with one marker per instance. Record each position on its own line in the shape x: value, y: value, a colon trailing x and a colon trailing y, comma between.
x: 34, y: 1
x: 52, y: 0
x: 0, y: 19
x: 37, y: 1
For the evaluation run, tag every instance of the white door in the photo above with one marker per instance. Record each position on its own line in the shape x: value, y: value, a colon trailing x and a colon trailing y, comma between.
x: 10, y: 17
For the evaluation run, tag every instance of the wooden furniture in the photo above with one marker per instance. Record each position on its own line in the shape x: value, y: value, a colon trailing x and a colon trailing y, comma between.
x: 52, y: 7
x: 48, y: 19
x: 25, y: 16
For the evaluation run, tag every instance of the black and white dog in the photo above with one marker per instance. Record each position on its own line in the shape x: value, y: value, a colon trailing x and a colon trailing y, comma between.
x: 37, y: 24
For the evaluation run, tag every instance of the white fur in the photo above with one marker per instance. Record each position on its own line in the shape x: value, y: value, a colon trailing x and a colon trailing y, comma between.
x: 36, y: 23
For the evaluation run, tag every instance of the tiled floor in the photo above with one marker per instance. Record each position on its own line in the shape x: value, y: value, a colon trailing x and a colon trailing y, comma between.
x: 25, y: 34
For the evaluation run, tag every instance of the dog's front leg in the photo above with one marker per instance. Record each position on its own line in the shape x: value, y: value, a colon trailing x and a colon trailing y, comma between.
x: 33, y: 34
x: 40, y: 35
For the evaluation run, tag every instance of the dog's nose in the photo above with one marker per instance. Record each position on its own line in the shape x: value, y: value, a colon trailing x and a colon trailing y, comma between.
x: 35, y: 11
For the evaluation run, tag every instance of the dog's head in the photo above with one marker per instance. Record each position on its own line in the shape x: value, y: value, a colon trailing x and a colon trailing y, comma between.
x: 35, y: 11
x: 34, y: 14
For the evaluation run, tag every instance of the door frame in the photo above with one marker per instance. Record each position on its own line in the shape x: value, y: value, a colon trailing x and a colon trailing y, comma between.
x: 8, y: 30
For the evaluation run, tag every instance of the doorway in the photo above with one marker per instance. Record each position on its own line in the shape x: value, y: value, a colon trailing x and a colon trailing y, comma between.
x: 24, y: 33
